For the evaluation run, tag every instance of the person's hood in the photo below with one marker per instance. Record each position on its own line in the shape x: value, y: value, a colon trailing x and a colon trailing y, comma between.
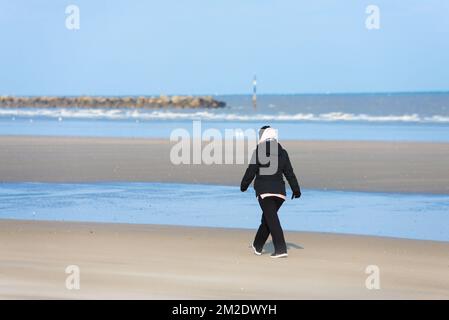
x: 269, y: 134
x: 269, y: 141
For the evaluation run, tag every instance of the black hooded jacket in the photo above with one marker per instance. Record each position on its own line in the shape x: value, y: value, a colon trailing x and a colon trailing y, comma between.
x: 270, y: 183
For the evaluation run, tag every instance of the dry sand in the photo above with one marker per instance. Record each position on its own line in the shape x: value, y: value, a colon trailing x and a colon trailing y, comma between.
x: 155, y: 262
x: 341, y: 165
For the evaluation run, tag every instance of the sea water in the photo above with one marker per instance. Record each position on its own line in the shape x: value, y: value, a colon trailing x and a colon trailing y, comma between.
x: 416, y: 216
x: 383, y: 117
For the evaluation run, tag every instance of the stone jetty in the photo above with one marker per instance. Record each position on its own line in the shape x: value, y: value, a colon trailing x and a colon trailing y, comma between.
x: 111, y: 102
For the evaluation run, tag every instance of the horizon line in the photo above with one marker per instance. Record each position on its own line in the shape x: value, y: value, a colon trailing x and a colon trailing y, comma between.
x: 240, y: 94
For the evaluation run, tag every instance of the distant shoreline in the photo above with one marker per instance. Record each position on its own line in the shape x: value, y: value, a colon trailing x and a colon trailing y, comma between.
x: 111, y: 102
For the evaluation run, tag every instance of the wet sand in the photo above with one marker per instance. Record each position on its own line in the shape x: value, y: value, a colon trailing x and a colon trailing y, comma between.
x: 339, y: 165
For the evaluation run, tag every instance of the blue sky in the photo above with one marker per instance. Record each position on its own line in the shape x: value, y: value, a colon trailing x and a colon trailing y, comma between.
x: 215, y: 47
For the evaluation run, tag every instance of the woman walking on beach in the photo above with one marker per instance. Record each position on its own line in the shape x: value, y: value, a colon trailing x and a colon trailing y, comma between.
x: 269, y: 163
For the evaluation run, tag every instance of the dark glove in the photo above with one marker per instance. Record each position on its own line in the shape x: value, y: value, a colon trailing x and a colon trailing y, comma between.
x: 243, y: 189
x: 296, y: 194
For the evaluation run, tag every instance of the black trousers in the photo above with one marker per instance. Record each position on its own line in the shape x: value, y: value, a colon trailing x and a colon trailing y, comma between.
x: 270, y: 224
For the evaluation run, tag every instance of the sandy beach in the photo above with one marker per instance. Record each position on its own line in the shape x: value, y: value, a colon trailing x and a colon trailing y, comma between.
x: 339, y: 165
x: 157, y: 262
x: 168, y: 262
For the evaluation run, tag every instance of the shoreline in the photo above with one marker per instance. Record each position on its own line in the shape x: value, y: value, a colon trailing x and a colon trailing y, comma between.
x: 224, y: 229
x: 398, y: 167
x: 166, y: 140
x: 144, y: 261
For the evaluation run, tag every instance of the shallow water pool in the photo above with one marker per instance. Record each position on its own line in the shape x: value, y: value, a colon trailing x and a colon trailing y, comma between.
x: 416, y: 216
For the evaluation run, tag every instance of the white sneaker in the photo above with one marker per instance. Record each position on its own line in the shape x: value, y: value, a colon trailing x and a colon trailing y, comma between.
x: 257, y: 253
x: 279, y: 255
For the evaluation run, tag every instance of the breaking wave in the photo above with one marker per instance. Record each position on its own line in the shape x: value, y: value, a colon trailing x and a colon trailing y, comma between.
x: 139, y: 114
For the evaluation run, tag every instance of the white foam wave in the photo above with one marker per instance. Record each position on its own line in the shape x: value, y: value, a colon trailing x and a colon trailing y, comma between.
x: 139, y: 114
